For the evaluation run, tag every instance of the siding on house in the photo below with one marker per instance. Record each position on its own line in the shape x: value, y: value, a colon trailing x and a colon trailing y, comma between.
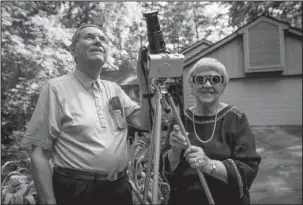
x: 267, y: 101
x: 293, y: 55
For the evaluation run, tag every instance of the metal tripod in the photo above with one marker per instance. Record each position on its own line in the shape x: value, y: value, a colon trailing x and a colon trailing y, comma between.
x: 154, y: 147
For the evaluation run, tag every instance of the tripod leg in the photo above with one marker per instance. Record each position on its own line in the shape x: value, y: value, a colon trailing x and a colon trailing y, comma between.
x: 154, y: 148
x: 149, y: 163
x: 157, y: 137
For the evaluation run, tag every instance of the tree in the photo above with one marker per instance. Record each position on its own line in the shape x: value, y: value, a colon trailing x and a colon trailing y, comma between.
x: 36, y: 36
x: 34, y: 49
x: 242, y: 12
x: 184, y: 23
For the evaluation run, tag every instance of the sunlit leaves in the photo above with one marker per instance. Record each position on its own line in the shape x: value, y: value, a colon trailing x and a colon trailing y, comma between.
x: 243, y: 12
x: 36, y: 38
x: 17, y: 186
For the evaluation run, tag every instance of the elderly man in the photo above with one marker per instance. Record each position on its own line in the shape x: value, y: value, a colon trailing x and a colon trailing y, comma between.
x: 81, y: 122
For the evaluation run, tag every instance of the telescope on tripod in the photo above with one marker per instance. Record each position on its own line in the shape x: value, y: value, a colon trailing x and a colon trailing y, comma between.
x: 161, y: 65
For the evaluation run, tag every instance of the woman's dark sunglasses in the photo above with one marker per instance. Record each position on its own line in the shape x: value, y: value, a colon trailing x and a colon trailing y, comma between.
x: 213, y: 79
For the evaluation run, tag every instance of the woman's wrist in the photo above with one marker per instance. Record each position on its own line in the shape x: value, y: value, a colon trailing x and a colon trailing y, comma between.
x: 216, y: 169
x: 210, y: 167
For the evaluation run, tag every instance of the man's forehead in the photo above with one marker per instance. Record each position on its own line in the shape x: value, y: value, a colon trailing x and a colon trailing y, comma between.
x: 92, y: 30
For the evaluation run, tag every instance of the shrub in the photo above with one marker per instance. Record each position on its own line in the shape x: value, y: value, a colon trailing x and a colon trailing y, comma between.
x: 17, y: 182
x: 137, y: 172
x: 18, y: 185
x: 15, y: 150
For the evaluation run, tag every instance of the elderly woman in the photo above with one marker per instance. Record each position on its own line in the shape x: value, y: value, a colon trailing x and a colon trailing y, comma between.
x: 222, y: 144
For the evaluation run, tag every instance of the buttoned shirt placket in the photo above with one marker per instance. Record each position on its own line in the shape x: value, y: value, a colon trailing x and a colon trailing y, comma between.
x: 98, y: 102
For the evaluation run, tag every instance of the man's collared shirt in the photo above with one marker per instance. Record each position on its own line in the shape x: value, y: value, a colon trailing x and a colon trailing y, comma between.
x: 75, y: 119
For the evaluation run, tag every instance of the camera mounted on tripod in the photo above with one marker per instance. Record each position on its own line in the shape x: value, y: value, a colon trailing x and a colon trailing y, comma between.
x: 160, y: 63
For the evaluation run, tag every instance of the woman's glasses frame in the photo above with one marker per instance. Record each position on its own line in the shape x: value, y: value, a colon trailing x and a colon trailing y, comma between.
x: 202, y: 79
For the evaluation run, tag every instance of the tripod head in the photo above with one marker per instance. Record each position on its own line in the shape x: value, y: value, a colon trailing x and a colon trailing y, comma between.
x: 162, y: 90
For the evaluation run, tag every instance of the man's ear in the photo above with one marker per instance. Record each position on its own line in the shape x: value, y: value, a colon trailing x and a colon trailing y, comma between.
x: 73, y: 51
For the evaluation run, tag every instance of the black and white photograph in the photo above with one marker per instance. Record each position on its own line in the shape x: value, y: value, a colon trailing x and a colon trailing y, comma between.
x: 151, y: 102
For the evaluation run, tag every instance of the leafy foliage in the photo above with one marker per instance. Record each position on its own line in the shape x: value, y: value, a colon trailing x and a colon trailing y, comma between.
x: 36, y: 36
x: 34, y: 50
x: 184, y: 23
x: 18, y: 186
x: 242, y: 12
x: 15, y: 150
x: 137, y: 172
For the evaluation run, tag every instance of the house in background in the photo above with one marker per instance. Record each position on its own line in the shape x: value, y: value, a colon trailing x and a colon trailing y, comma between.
x: 264, y: 63
x: 196, y: 48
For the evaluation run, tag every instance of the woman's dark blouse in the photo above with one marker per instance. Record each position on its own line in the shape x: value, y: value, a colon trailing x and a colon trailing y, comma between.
x: 233, y: 144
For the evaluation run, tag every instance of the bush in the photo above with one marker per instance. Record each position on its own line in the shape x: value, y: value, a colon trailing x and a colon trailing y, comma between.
x: 17, y: 182
x: 18, y: 185
x: 15, y: 150
x: 137, y: 172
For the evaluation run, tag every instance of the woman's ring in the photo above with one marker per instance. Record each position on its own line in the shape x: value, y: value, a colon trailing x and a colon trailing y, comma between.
x: 196, y: 163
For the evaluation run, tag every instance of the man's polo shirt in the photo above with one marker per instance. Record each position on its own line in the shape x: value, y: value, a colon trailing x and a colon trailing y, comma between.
x: 74, y: 119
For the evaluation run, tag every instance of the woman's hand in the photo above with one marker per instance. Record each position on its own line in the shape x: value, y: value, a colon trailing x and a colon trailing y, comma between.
x: 196, y: 158
x: 177, y: 140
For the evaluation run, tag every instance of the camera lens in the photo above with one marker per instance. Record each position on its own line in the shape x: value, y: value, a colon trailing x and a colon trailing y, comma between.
x: 152, y: 21
x: 154, y: 32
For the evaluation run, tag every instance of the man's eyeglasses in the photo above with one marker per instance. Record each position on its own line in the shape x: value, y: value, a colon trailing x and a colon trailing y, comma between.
x: 213, y: 79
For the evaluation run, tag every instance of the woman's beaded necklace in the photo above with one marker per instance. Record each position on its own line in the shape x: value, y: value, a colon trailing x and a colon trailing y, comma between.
x: 213, y: 128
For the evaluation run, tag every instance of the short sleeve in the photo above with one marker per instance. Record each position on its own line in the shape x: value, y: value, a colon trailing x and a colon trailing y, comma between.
x: 44, y: 125
x: 243, y: 166
x: 129, y: 105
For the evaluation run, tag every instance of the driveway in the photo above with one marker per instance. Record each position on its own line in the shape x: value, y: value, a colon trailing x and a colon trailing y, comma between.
x: 279, y: 180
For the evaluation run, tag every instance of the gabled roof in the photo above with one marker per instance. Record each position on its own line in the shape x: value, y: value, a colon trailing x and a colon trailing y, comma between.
x: 240, y: 31
x: 198, y: 43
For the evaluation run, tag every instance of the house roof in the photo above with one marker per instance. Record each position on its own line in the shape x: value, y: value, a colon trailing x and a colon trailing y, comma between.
x: 196, y: 44
x: 240, y: 31
x: 121, y: 77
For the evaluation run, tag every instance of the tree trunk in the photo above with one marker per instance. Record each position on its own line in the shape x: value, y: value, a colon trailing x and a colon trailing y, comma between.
x: 196, y: 23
